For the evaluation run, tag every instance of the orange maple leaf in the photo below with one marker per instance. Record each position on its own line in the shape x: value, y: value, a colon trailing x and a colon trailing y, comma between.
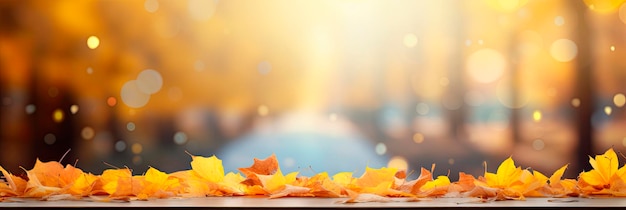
x: 322, y: 186
x: 464, y: 184
x: 14, y: 185
x: 267, y: 166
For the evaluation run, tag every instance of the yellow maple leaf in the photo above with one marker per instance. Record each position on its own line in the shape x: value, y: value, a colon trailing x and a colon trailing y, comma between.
x: 343, y: 178
x: 561, y: 188
x: 210, y: 169
x: 506, y: 183
x: 158, y: 184
x: 531, y: 183
x: 232, y: 182
x: 605, y: 178
x: 436, y: 187
x: 119, y: 182
x: 506, y: 176
x: 277, y: 181
x: 83, y: 184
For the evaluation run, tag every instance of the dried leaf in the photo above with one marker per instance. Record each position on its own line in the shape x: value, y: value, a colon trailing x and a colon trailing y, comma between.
x: 267, y: 166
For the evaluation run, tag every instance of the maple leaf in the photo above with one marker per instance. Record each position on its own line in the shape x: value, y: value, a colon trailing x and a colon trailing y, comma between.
x: 605, y: 178
x: 425, y: 176
x: 375, y: 177
x: 322, y: 186
x: 158, y: 184
x: 210, y: 169
x: 277, y: 181
x: 378, y: 181
x: 561, y: 188
x: 120, y: 183
x: 232, y: 182
x: 532, y: 183
x: 14, y: 186
x: 343, y: 178
x: 464, y: 184
x: 267, y: 166
x: 505, y: 182
x: 83, y: 184
x: 48, y: 173
x: 35, y: 189
x: 436, y: 187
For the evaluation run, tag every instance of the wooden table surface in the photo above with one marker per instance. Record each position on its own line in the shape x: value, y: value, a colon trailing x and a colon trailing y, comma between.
x: 315, y: 203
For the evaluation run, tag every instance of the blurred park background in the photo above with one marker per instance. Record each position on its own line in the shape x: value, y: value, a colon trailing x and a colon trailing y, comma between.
x: 330, y: 85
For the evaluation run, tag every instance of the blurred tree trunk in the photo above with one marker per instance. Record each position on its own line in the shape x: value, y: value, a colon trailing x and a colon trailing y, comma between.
x: 456, y: 85
x: 584, y: 87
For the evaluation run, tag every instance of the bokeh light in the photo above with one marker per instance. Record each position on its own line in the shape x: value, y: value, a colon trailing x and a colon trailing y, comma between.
x: 380, y: 148
x: 537, y: 115
x: 422, y: 108
x: 74, y: 109
x: 486, y: 65
x: 30, y: 109
x: 93, y: 42
x: 563, y: 50
x: 608, y: 110
x: 87, y: 133
x: 137, y: 160
x: 418, y: 138
x: 399, y: 163
x: 120, y: 146
x: 130, y: 126
x: 180, y: 138
x: 49, y: 139
x: 619, y: 100
x: 575, y: 102
x: 58, y: 115
x: 559, y: 20
x: 538, y: 144
x: 132, y: 96
x: 136, y: 148
x: 149, y: 81
x: 111, y: 101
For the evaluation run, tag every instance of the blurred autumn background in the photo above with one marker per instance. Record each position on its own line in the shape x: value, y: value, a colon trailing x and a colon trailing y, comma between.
x: 325, y: 85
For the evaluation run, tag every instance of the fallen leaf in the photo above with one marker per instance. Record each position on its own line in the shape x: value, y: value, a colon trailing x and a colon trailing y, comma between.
x: 267, y: 166
x: 14, y: 185
x: 605, y: 178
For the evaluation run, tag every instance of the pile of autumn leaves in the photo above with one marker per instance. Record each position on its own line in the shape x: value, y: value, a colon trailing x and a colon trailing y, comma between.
x: 52, y: 181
